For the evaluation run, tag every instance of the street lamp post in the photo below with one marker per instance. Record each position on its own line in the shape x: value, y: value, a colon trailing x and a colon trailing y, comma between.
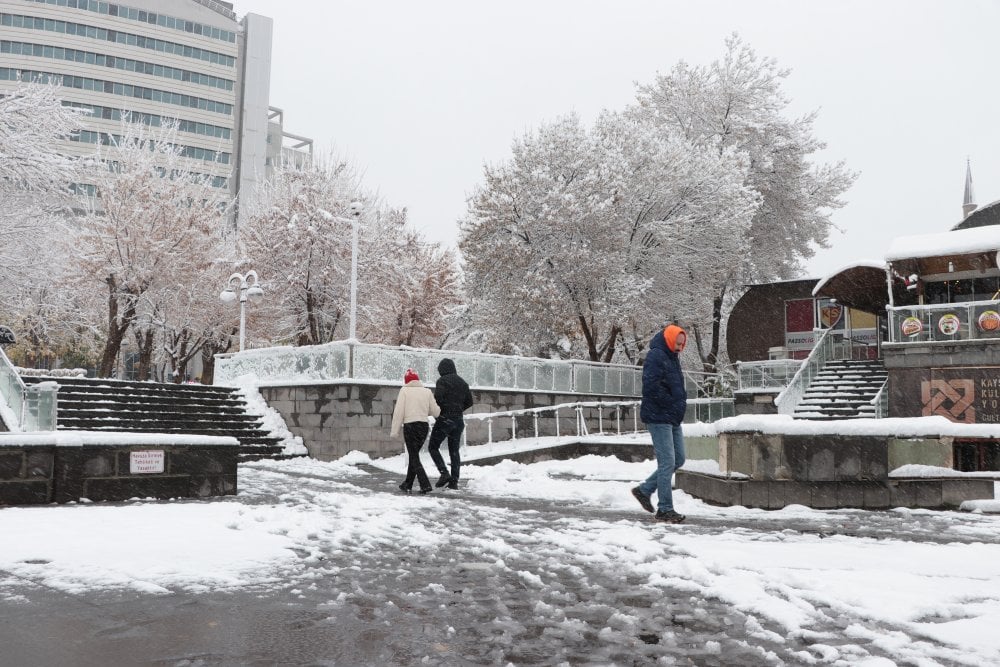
x: 355, y: 219
x: 249, y: 286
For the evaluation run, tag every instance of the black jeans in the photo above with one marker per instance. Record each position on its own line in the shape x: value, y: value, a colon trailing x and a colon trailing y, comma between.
x: 451, y: 428
x: 414, y: 434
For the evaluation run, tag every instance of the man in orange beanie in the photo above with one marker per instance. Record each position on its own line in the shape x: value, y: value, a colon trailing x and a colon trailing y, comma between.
x: 664, y: 401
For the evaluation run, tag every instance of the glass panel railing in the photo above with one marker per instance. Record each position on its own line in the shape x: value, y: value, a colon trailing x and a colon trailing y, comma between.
x: 12, y: 393
x: 945, y: 322
x: 341, y: 360
x: 766, y: 374
x: 40, y: 407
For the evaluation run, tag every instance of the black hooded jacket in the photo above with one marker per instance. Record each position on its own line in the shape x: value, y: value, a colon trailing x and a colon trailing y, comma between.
x: 450, y: 391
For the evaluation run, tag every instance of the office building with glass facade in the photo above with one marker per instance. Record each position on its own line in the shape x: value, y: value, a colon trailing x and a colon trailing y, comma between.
x: 192, y: 61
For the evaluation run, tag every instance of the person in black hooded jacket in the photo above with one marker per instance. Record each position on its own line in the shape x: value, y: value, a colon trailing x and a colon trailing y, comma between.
x: 452, y: 393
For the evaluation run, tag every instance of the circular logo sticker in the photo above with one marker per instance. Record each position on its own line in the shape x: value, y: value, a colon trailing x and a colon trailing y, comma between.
x: 911, y: 326
x: 989, y: 320
x: 949, y: 324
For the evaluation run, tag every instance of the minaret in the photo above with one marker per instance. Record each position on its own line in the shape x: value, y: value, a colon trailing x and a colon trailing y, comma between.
x: 968, y: 204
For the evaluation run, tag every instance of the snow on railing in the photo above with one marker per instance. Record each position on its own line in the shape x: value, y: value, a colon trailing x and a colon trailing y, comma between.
x: 13, y: 391
x: 342, y: 360
x: 810, y: 368
x: 578, y: 428
x: 881, y: 402
x: 775, y: 373
x: 26, y: 407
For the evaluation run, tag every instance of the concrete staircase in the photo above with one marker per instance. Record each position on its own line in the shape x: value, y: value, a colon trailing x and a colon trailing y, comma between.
x: 843, y: 390
x: 85, y: 404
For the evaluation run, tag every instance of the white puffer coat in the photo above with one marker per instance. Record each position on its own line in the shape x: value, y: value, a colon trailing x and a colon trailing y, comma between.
x: 415, y: 403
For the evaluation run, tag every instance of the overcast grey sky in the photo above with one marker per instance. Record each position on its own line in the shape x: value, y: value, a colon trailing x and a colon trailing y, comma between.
x: 421, y: 94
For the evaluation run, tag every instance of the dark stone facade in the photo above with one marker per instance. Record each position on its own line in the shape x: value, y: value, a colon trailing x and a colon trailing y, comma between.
x: 959, y: 381
x: 38, y: 474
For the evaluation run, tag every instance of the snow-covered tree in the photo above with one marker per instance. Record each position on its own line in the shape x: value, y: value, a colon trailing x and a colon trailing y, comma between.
x: 591, y: 240
x: 298, y: 239
x: 421, y: 289
x: 581, y: 239
x: 737, y: 103
x: 148, y: 234
x: 35, y: 179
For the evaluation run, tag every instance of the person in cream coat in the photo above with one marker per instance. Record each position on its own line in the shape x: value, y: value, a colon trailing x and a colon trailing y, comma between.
x: 414, y: 405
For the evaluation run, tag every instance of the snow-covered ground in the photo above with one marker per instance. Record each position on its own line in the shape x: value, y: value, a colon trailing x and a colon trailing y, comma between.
x: 573, y: 566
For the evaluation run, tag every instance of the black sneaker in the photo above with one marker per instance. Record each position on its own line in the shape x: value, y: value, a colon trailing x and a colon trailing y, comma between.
x: 442, y: 480
x: 669, y: 517
x: 427, y: 489
x: 453, y: 485
x: 404, y: 488
x: 643, y: 500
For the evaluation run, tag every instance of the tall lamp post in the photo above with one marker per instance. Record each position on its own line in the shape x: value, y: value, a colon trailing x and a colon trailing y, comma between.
x: 356, y: 209
x: 248, y: 285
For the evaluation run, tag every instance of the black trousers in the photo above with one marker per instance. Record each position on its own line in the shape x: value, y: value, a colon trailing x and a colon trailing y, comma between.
x: 450, y: 428
x: 414, y: 434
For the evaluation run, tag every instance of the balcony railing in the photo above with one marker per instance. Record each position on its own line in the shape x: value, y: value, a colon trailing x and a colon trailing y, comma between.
x: 361, y: 361
x: 946, y: 322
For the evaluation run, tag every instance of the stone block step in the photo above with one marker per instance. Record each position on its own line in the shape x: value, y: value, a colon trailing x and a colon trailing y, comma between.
x: 96, y: 395
x: 73, y: 405
x: 194, y: 414
x: 114, y: 406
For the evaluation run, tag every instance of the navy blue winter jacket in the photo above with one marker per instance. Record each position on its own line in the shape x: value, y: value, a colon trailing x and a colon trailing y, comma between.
x: 663, y: 397
x: 451, y: 392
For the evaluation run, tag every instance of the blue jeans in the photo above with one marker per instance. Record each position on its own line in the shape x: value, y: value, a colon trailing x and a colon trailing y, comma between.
x: 668, y: 443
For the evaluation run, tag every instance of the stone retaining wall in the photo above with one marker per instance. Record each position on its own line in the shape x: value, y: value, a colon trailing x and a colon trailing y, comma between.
x: 46, y: 473
x: 926, y: 493
x: 334, y: 419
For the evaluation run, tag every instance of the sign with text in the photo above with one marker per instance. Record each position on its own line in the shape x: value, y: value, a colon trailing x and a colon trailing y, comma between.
x: 7, y: 336
x: 146, y: 461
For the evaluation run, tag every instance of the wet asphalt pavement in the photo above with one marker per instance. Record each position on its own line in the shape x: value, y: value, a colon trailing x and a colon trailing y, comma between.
x: 438, y: 605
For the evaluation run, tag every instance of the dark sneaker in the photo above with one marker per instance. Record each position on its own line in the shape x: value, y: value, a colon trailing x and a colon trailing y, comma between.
x: 444, y: 479
x: 453, y: 485
x: 427, y: 490
x: 643, y: 500
x: 669, y: 517
x: 404, y: 488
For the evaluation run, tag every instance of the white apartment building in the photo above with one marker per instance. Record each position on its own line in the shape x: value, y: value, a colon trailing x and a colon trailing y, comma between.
x: 189, y: 60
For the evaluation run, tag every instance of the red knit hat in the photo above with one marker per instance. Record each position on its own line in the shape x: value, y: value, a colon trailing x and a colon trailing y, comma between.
x: 410, y: 376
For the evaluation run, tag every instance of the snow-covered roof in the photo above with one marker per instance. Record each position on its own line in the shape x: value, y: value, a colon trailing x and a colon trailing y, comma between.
x: 959, y: 242
x: 864, y: 263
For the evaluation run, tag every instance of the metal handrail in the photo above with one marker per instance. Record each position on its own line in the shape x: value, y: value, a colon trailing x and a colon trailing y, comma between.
x: 813, y: 364
x: 881, y: 402
x: 578, y: 418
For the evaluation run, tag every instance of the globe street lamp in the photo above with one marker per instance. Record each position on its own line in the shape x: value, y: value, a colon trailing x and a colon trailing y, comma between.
x: 249, y: 287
